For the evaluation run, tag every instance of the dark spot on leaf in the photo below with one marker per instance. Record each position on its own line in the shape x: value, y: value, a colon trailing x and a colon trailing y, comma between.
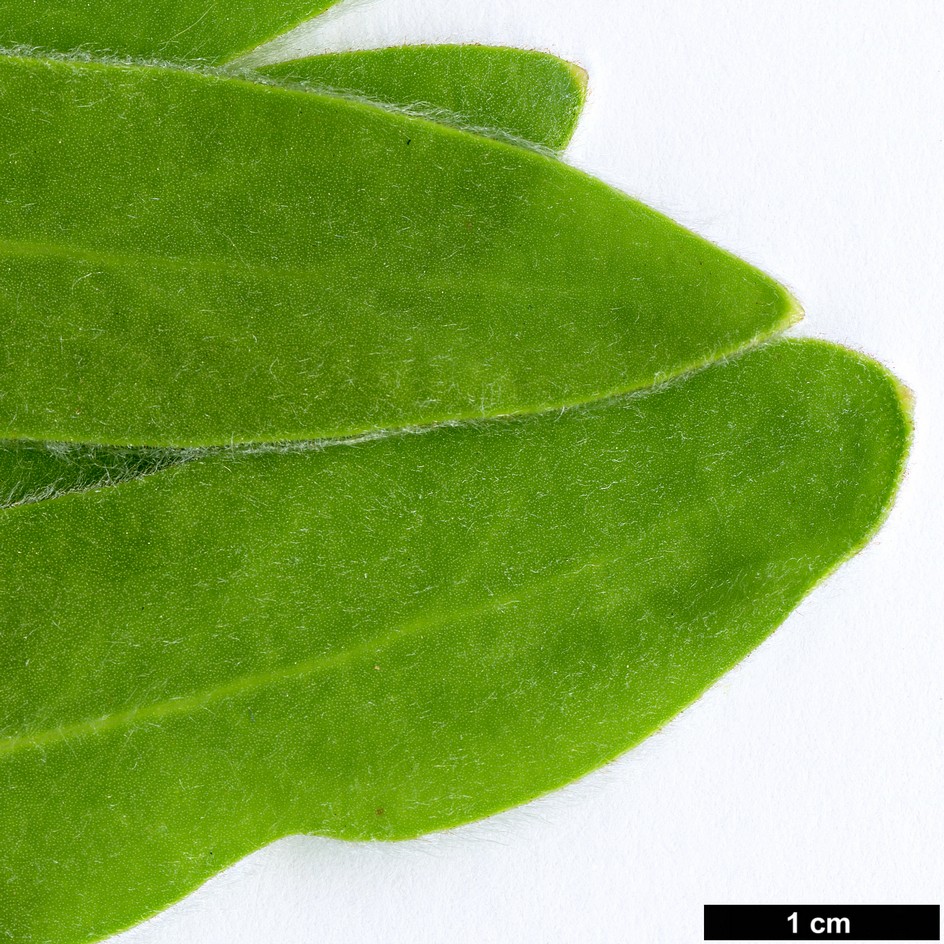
x: 380, y: 811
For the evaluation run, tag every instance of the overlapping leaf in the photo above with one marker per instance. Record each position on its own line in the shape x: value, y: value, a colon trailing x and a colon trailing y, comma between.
x: 530, y: 96
x: 189, y: 260
x: 380, y: 640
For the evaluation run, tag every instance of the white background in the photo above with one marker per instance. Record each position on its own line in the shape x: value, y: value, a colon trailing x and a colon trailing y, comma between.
x: 807, y: 137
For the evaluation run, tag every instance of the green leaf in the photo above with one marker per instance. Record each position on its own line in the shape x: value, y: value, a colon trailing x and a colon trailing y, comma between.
x: 379, y: 641
x: 171, y: 30
x: 524, y: 95
x: 192, y: 260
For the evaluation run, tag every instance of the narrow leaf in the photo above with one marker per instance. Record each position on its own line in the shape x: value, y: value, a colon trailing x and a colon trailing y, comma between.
x: 525, y: 95
x: 190, y: 260
x: 379, y: 641
x: 172, y: 30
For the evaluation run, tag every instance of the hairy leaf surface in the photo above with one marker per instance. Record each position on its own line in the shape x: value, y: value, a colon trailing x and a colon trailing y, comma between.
x: 172, y: 30
x: 379, y: 641
x: 34, y: 471
x: 192, y: 260
x: 532, y: 96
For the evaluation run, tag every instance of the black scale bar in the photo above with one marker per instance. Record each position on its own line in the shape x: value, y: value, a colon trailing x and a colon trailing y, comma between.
x: 822, y: 922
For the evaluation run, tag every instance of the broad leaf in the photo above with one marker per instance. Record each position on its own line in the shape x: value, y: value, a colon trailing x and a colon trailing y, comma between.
x: 192, y: 260
x: 531, y: 96
x: 172, y: 30
x: 379, y: 641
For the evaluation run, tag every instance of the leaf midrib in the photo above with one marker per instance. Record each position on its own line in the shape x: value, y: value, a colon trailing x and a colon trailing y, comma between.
x: 35, y: 249
x: 30, y: 249
x: 318, y: 665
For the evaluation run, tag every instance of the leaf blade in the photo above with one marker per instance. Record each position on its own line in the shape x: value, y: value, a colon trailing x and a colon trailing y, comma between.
x: 525, y: 95
x: 301, y: 267
x: 411, y: 634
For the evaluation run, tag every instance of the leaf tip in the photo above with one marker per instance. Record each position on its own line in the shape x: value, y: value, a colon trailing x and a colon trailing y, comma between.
x: 793, y: 311
x: 906, y: 397
x: 580, y: 76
